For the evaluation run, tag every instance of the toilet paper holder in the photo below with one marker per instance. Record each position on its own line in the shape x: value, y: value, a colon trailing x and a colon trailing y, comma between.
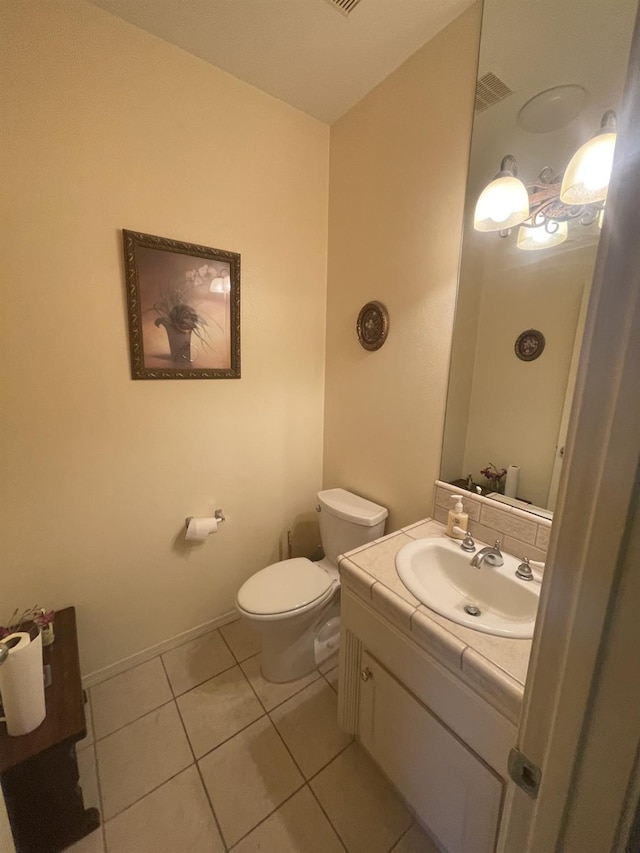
x: 218, y: 514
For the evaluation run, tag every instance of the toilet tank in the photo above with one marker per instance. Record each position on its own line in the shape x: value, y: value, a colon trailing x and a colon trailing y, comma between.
x: 348, y: 521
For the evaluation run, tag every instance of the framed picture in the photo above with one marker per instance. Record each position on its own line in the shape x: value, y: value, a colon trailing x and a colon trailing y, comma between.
x: 183, y: 302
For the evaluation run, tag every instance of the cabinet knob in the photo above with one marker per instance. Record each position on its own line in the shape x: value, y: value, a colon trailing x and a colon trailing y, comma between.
x: 366, y: 674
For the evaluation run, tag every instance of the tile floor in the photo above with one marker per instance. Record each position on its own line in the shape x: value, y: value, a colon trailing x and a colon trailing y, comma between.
x: 194, y: 752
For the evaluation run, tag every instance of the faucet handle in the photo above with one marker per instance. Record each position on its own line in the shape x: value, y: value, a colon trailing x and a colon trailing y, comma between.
x: 467, y: 543
x: 496, y: 545
x: 524, y: 570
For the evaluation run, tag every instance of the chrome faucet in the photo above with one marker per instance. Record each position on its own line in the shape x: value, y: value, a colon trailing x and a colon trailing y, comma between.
x: 490, y: 553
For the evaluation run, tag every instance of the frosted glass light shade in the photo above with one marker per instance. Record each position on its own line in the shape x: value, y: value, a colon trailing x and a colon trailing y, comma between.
x: 533, y: 239
x: 502, y: 204
x: 587, y: 177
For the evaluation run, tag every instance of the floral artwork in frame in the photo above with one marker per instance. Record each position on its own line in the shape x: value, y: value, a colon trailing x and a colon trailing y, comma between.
x: 184, y: 309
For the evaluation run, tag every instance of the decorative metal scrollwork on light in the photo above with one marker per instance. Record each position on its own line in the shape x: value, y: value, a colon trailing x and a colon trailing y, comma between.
x: 547, y: 209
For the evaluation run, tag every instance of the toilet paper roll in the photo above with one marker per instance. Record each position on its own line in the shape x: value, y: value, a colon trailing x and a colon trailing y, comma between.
x: 199, y: 528
x: 511, y: 483
x: 22, y: 684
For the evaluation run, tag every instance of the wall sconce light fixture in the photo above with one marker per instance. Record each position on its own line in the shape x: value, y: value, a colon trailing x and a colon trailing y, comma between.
x: 544, y: 207
x: 586, y: 179
x: 504, y: 202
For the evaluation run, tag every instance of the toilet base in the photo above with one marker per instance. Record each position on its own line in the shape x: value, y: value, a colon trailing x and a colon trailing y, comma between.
x: 294, y: 649
x: 327, y: 641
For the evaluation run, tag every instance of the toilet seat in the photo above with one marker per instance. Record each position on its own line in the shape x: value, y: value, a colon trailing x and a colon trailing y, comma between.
x: 283, y: 589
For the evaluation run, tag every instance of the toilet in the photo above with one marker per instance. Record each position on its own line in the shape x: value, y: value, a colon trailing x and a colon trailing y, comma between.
x: 295, y: 604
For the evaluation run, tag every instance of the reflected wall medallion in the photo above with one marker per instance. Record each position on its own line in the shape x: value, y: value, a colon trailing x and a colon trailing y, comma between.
x: 529, y: 345
x: 372, y: 325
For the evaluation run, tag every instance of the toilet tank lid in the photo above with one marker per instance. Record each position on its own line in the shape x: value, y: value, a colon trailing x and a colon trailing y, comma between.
x: 351, y: 507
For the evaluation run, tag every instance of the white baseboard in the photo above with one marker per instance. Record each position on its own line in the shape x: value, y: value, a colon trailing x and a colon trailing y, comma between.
x: 153, y: 651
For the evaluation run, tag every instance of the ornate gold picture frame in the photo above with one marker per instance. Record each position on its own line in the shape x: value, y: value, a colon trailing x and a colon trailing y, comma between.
x: 183, y: 302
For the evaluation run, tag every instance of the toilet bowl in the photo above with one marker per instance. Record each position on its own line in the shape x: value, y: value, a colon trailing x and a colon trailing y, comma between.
x: 295, y: 604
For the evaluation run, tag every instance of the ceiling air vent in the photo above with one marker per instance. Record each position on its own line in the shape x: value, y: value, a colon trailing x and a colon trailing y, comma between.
x: 345, y: 6
x: 489, y: 90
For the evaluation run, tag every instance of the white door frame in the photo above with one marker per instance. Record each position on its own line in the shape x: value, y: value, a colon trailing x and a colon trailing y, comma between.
x: 585, y: 606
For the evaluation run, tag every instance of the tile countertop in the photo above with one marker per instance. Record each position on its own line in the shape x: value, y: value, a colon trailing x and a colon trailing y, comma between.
x: 495, y: 667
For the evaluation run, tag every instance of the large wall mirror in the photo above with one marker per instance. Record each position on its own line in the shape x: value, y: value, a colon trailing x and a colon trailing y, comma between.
x: 548, y: 74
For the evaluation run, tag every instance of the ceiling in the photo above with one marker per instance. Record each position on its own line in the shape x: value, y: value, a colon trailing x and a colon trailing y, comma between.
x: 307, y: 53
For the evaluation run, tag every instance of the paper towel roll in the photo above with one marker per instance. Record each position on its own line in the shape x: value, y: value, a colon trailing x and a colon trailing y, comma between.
x: 511, y: 483
x: 22, y: 684
x: 199, y: 528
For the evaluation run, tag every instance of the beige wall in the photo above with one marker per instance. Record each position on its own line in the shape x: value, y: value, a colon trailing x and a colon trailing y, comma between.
x: 398, y: 172
x: 106, y: 128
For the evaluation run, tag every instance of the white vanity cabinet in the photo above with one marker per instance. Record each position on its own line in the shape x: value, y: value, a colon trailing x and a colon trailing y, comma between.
x: 450, y: 789
x: 442, y: 746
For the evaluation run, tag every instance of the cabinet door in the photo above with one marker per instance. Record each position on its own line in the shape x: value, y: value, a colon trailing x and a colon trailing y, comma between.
x: 455, y: 795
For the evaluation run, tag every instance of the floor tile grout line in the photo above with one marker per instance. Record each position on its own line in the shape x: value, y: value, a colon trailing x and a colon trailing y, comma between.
x: 184, y: 728
x: 267, y: 713
x: 291, y: 755
x: 164, y: 782
x: 204, y: 681
x: 324, y: 766
x: 333, y: 758
x: 331, y: 668
x: 326, y: 814
x: 307, y: 781
x: 173, y: 698
x: 337, y: 755
x: 255, y: 692
x: 213, y: 811
x: 300, y: 771
x: 406, y: 832
x: 278, y: 704
x: 231, y: 737
x: 135, y: 720
x: 271, y: 813
x: 193, y: 640
x: 228, y: 645
x: 100, y: 808
x: 335, y: 828
x: 103, y: 834
x: 128, y: 669
x: 159, y: 655
x: 199, y: 772
x: 329, y: 683
x: 150, y: 791
x: 197, y: 761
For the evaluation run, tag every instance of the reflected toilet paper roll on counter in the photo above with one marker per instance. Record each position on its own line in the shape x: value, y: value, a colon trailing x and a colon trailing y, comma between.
x: 512, y: 481
x: 22, y: 683
x: 199, y: 528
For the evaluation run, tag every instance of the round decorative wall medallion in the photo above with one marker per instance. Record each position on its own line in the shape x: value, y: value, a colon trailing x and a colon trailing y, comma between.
x: 529, y: 345
x: 372, y: 325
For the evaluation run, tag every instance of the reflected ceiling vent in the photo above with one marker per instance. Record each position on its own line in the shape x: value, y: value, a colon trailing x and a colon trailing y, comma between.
x: 345, y: 6
x: 489, y: 90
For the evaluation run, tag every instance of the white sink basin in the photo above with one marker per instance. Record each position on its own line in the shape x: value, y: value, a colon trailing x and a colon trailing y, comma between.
x: 441, y: 576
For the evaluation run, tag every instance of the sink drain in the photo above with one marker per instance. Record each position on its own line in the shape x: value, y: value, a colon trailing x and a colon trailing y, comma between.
x: 472, y: 610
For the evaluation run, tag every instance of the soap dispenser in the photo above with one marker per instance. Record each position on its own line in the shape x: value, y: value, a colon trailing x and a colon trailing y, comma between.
x: 458, y: 521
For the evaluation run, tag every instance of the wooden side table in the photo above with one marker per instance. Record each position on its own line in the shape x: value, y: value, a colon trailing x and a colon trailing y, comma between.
x: 39, y: 771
